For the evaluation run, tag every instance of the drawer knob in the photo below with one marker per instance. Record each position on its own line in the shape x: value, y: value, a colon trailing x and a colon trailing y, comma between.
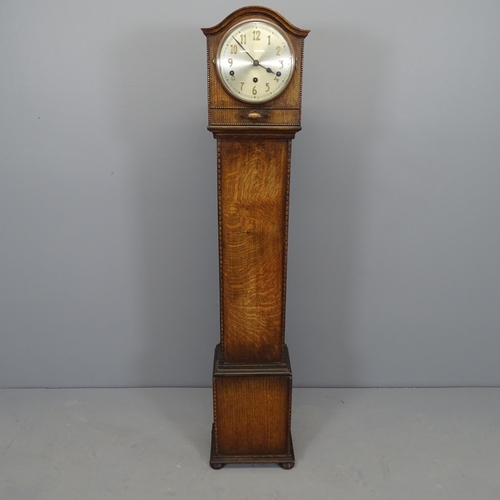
x: 253, y: 115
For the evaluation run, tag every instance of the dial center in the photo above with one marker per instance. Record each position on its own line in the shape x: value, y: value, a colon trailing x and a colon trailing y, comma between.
x: 255, y: 62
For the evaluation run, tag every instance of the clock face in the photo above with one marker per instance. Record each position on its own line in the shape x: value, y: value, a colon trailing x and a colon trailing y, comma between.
x: 255, y: 61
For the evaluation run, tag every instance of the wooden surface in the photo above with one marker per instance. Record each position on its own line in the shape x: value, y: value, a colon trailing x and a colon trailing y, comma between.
x: 226, y: 110
x: 253, y: 207
x: 252, y: 380
x: 249, y: 417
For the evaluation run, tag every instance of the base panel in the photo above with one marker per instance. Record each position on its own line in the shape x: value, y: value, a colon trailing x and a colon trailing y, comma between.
x: 252, y: 413
x: 217, y: 462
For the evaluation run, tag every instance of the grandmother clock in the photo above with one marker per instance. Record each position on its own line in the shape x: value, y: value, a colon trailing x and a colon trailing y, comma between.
x: 254, y: 100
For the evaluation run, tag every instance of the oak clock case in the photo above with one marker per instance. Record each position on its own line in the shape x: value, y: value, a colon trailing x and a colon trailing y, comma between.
x: 254, y: 61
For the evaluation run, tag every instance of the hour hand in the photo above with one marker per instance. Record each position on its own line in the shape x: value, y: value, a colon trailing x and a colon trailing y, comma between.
x: 269, y: 70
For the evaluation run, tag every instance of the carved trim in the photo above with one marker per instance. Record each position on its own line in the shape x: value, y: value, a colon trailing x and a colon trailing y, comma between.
x: 301, y: 73
x: 221, y: 281
x: 208, y: 80
x: 285, y: 246
x: 216, y: 440
x: 245, y: 131
x: 254, y: 124
x: 222, y: 369
x: 260, y: 108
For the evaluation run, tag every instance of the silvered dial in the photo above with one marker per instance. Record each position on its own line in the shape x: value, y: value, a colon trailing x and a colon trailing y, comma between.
x: 255, y: 61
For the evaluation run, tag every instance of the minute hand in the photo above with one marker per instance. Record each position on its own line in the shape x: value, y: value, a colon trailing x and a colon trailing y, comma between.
x: 246, y: 51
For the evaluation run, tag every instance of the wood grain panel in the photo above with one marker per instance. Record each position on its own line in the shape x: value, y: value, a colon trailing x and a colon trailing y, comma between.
x: 252, y: 415
x: 268, y: 116
x: 253, y: 176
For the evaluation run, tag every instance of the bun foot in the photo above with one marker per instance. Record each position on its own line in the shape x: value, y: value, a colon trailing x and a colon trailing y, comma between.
x: 287, y: 465
x: 217, y: 466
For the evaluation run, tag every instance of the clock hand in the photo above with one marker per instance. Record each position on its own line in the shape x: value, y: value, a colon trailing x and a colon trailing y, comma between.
x: 269, y: 70
x: 246, y: 51
x: 255, y: 61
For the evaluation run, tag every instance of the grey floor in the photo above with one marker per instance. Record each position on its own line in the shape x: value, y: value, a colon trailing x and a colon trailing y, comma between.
x: 403, y: 444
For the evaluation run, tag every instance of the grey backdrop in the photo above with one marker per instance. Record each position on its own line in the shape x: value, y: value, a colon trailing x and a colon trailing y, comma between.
x: 108, y: 225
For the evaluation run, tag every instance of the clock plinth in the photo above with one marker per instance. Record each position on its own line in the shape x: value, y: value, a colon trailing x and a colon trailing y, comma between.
x: 252, y: 412
x: 254, y: 122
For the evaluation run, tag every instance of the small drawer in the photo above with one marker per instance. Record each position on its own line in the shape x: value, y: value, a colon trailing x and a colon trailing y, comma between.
x: 254, y: 116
